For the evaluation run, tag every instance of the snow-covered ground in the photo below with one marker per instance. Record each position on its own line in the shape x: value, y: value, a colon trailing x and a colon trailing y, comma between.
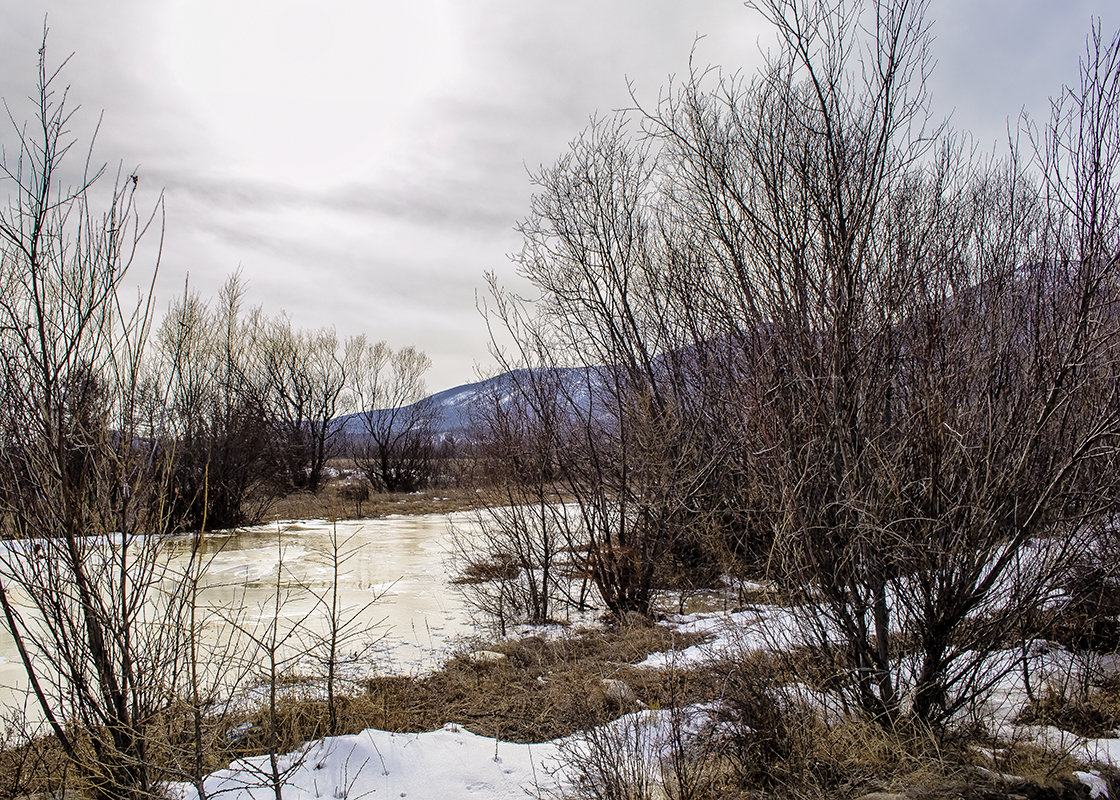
x: 1051, y: 668
x: 446, y: 764
x: 437, y: 765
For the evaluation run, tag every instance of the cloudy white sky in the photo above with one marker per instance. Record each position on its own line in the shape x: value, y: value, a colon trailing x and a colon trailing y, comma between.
x: 364, y: 163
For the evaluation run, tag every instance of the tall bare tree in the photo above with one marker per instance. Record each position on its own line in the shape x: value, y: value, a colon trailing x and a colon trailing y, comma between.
x: 307, y: 376
x: 830, y: 333
x: 930, y: 341
x: 217, y: 391
x: 641, y: 457
x: 397, y: 437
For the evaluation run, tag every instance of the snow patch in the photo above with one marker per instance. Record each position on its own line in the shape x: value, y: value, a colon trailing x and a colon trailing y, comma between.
x: 447, y: 763
x: 1097, y: 787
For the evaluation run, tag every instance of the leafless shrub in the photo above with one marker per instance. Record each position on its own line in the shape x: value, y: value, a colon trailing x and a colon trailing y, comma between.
x: 218, y: 436
x: 307, y: 384
x: 648, y: 754
x: 620, y: 447
x: 346, y: 638
x: 516, y: 558
x: 618, y: 761
x: 354, y: 491
x: 272, y: 650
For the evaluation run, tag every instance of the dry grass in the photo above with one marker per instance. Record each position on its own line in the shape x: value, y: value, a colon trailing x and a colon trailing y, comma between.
x: 330, y: 504
x: 541, y: 689
x: 771, y: 746
x: 1095, y: 716
x: 482, y: 572
x: 39, y: 767
x: 853, y: 758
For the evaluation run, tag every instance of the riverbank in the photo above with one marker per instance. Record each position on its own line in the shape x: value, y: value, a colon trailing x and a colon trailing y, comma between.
x: 720, y: 702
x: 687, y: 708
x: 335, y: 502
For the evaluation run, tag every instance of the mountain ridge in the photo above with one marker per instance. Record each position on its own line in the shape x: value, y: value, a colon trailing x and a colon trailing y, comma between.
x: 453, y: 408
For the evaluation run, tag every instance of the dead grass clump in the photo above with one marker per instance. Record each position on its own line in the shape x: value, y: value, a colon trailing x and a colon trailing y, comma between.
x: 761, y: 723
x: 722, y: 730
x: 542, y: 689
x: 1081, y: 628
x: 866, y: 753
x: 853, y: 757
x: 35, y: 767
x: 1095, y: 716
x: 503, y: 567
x: 767, y: 738
x: 1027, y: 770
x: 181, y: 752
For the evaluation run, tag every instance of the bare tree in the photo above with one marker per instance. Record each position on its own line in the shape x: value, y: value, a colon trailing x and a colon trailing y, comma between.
x: 307, y: 375
x: 272, y: 649
x: 929, y: 338
x: 640, y: 456
x: 347, y: 635
x: 510, y: 556
x: 397, y: 445
x: 217, y: 390
x: 827, y: 332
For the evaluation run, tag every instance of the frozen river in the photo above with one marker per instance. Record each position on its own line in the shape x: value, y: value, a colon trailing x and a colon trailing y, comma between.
x: 394, y: 580
x: 394, y: 568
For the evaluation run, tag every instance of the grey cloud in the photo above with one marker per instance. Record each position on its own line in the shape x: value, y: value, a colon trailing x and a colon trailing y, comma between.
x: 396, y: 290
x: 401, y: 237
x: 448, y: 204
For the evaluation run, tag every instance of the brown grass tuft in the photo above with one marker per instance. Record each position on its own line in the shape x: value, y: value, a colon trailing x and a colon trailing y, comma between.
x: 1095, y: 716
x: 541, y: 690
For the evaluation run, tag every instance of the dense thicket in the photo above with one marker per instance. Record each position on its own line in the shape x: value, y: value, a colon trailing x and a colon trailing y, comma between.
x: 81, y: 464
x: 836, y: 346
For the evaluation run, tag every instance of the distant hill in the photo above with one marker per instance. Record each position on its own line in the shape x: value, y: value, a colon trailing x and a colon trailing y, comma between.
x: 453, y: 407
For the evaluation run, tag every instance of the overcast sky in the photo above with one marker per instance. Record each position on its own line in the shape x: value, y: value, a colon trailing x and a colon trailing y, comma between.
x: 364, y: 163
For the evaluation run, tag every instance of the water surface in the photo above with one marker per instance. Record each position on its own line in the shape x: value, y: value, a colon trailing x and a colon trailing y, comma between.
x: 393, y: 589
